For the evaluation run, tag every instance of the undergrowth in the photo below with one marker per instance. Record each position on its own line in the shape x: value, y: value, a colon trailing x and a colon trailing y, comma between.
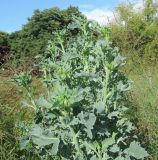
x: 144, y: 105
x: 10, y: 113
x: 135, y: 34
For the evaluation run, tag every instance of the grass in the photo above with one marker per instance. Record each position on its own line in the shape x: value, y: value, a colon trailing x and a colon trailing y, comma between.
x: 144, y: 108
x: 11, y: 112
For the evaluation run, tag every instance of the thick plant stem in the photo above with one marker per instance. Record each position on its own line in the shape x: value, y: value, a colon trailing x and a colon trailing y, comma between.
x: 32, y: 100
x: 106, y: 87
x: 75, y: 140
x: 61, y: 44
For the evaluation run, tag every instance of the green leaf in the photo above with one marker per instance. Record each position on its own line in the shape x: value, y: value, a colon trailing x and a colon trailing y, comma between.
x: 41, y: 139
x: 113, y: 114
x: 54, y: 148
x: 108, y: 142
x: 99, y: 106
x: 114, y: 149
x: 88, y: 120
x: 42, y: 102
x: 91, y: 146
x: 136, y: 151
x: 120, y: 158
x: 94, y: 158
x: 24, y: 142
x: 123, y: 87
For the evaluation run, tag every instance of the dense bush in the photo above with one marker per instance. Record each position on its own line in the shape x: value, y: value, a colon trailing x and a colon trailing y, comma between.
x: 4, y: 38
x: 81, y: 117
x: 34, y: 36
x: 4, y: 47
x: 135, y: 32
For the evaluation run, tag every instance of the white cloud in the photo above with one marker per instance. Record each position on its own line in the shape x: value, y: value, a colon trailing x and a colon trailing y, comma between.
x: 139, y: 5
x: 86, y: 6
x: 102, y: 16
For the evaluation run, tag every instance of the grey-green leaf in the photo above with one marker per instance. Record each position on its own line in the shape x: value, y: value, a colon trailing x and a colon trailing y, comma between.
x: 136, y: 151
x: 41, y: 139
x: 108, y: 142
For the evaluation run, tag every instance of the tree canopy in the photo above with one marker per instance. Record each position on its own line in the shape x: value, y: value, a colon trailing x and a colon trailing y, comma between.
x: 33, y: 38
x: 4, y: 47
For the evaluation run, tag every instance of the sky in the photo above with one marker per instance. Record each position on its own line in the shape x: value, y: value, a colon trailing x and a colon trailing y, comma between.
x: 14, y: 13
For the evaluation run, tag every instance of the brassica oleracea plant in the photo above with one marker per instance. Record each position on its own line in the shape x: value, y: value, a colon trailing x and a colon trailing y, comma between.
x: 82, y: 115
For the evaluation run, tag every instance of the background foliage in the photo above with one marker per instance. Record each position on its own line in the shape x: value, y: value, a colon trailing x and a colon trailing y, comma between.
x: 135, y: 32
x: 33, y: 38
x: 4, y: 47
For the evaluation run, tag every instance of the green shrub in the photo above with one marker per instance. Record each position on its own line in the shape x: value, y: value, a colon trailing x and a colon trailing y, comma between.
x: 33, y: 38
x: 4, y: 39
x: 4, y: 47
x: 135, y: 32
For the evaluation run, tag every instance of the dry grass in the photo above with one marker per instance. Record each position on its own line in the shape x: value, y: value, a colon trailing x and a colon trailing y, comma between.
x: 144, y: 98
x: 11, y: 112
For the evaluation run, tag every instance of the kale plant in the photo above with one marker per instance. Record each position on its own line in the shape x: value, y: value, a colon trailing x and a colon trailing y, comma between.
x: 82, y: 115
